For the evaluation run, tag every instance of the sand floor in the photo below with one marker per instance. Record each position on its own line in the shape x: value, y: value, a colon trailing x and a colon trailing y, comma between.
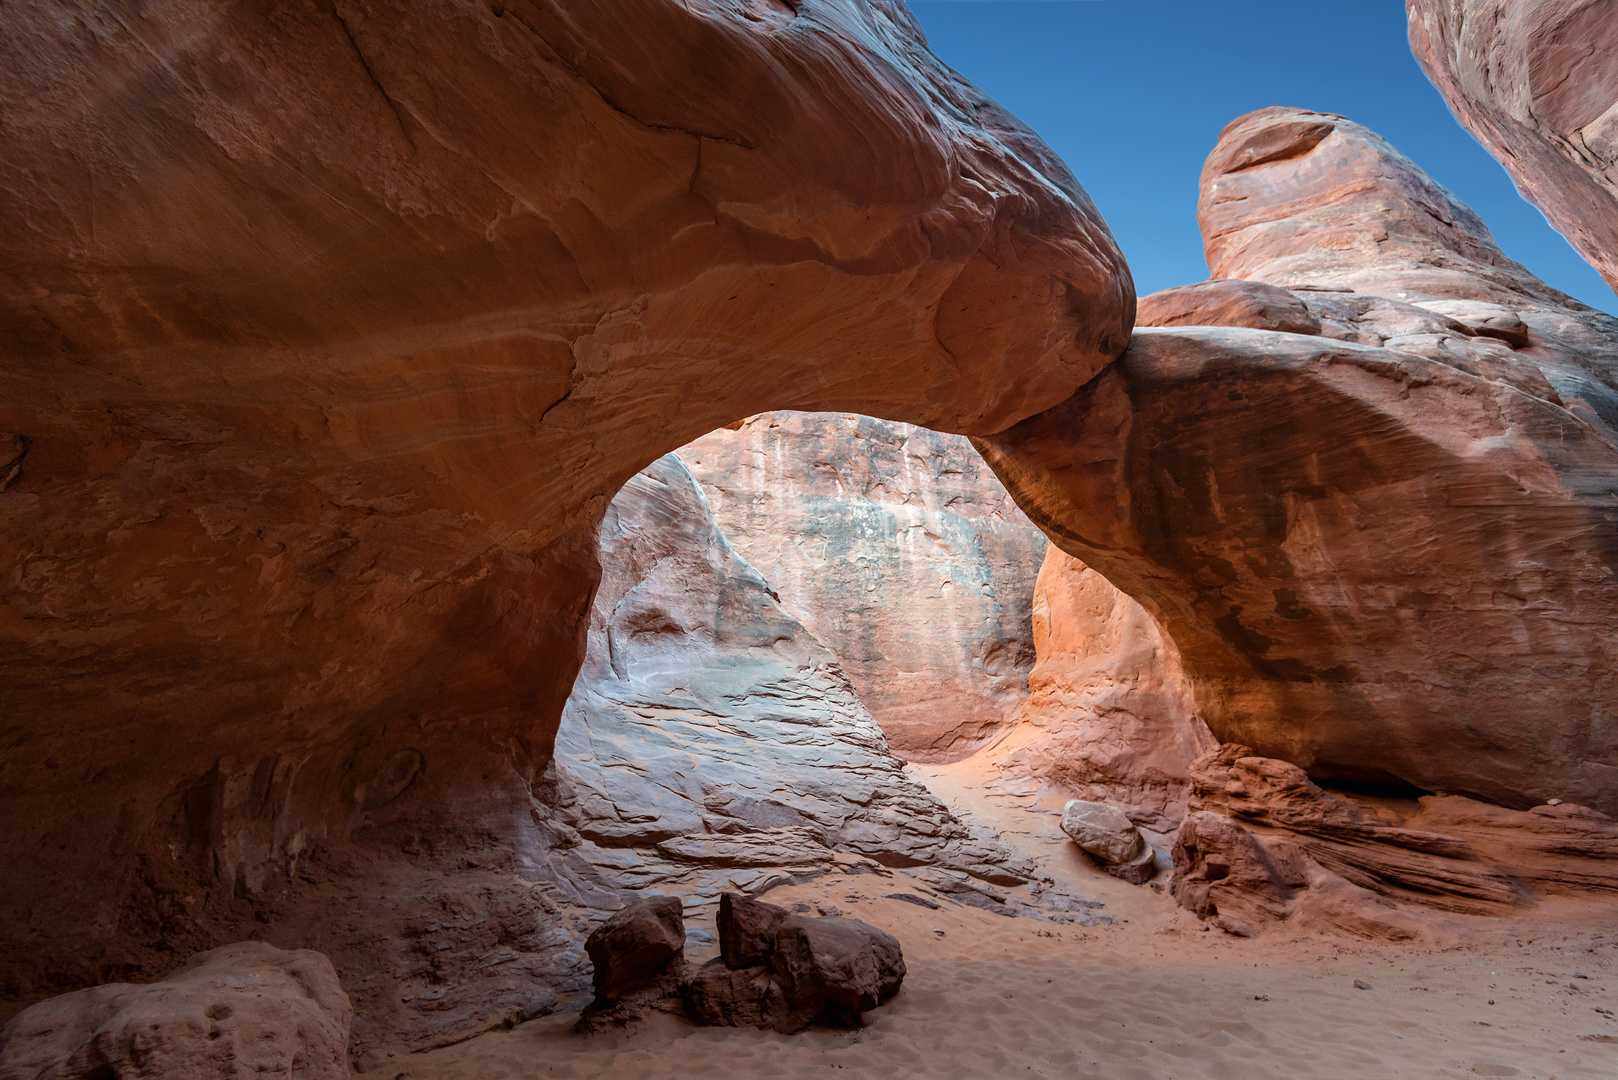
x: 1152, y: 995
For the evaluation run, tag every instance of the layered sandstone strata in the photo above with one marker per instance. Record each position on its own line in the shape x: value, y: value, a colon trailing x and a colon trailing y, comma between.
x: 1385, y: 550
x: 1536, y: 81
x: 332, y: 330
x: 898, y: 548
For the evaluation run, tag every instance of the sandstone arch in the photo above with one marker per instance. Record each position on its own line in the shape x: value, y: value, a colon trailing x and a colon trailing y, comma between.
x: 330, y: 329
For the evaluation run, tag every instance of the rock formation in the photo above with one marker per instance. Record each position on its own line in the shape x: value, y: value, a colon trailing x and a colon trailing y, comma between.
x: 898, y: 548
x: 711, y: 744
x: 1536, y: 81
x: 784, y: 971
x: 332, y: 330
x: 1369, y: 543
x: 835, y: 968
x: 1263, y: 843
x: 1107, y: 835
x: 242, y: 1012
x: 630, y: 948
x: 1110, y: 715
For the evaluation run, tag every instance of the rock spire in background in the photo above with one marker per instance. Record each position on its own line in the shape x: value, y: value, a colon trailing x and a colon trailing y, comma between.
x: 1536, y: 81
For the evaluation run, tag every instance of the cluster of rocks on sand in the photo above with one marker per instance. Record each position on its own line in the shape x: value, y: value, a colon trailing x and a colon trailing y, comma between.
x: 775, y: 969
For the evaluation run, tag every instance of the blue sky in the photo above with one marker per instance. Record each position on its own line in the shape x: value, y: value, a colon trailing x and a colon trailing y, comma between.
x: 1133, y: 93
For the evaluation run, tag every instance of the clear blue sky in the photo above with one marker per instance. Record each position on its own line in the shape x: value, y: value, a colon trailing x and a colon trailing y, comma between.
x: 1133, y: 93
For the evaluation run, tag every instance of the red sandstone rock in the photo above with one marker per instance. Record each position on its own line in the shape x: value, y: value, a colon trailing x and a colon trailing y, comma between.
x: 1415, y: 865
x: 331, y: 332
x: 1110, y: 715
x: 1228, y: 303
x: 1364, y: 544
x: 1536, y: 81
x: 835, y: 967
x: 632, y: 947
x: 900, y: 550
x: 1222, y: 873
x: 242, y: 1012
x: 747, y: 930
x: 742, y: 997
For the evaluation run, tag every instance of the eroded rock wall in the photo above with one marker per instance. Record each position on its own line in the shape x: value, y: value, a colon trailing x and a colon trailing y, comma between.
x: 1110, y: 715
x: 330, y: 331
x: 1536, y: 81
x: 901, y: 551
x: 1385, y: 550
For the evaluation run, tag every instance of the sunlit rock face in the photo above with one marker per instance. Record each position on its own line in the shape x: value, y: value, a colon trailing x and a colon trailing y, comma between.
x: 329, y: 334
x: 1110, y: 715
x: 901, y: 551
x: 1536, y: 81
x: 1386, y: 550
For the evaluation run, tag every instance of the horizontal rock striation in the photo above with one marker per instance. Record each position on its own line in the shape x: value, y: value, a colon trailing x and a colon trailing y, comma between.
x: 330, y: 333
x: 1536, y: 81
x: 898, y: 548
x: 1386, y: 550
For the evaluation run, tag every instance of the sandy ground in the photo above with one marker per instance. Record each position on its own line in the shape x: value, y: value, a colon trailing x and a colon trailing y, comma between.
x: 1152, y: 995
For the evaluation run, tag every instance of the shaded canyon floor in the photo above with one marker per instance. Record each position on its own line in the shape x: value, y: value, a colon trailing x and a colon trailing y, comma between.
x: 1148, y: 994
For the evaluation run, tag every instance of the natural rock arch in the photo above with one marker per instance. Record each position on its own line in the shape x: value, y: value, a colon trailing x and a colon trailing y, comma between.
x: 330, y: 334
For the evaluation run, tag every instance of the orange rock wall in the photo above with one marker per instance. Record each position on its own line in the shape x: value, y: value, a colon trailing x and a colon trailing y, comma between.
x: 1110, y: 715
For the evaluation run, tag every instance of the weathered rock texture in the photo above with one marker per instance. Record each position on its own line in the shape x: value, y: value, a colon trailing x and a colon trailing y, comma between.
x: 834, y: 968
x: 899, y: 549
x: 1262, y: 844
x: 1110, y: 715
x: 1536, y: 81
x: 629, y: 949
x: 1383, y: 551
x: 239, y: 1012
x: 712, y: 741
x: 711, y: 744
x: 330, y: 332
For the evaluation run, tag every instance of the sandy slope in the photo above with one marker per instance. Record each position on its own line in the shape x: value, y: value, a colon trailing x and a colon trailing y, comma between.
x: 1151, y: 996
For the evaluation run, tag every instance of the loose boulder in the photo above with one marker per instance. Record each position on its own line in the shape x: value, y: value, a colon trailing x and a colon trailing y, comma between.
x: 635, y: 946
x: 720, y: 996
x: 834, y: 968
x: 747, y: 930
x: 1108, y: 836
x: 238, y: 1012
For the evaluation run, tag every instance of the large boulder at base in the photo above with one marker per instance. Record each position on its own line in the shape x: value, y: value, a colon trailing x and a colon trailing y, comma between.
x: 238, y: 1012
x: 747, y: 930
x: 835, y: 968
x: 305, y: 454
x: 900, y: 550
x: 1536, y: 81
x: 632, y: 948
x: 1364, y: 543
x: 1106, y: 833
x: 721, y: 996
